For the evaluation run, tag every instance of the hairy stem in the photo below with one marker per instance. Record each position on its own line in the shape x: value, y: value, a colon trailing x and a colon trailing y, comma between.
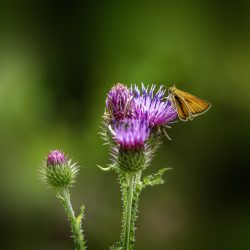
x: 128, y: 212
x: 135, y: 201
x: 74, y: 222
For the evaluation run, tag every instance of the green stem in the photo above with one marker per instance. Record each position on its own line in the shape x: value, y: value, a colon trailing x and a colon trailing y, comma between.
x: 74, y: 223
x: 136, y: 194
x: 138, y: 177
x: 128, y: 211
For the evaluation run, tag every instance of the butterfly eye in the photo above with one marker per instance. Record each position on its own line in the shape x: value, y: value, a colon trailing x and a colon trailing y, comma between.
x: 169, y: 91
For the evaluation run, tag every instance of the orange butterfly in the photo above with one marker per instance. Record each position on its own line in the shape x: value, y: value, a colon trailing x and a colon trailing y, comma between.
x: 188, y: 106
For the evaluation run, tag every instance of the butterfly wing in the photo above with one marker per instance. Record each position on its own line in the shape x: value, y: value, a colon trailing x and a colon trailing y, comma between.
x: 195, y: 105
x: 182, y: 108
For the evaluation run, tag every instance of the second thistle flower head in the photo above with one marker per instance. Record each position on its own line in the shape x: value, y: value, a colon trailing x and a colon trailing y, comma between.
x: 152, y: 107
x: 119, y: 104
x: 57, y: 171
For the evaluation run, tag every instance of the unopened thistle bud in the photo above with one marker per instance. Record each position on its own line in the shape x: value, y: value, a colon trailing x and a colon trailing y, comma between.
x: 58, y: 171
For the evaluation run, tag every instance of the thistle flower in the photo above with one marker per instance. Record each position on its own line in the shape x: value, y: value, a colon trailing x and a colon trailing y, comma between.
x: 146, y: 92
x: 131, y: 133
x: 119, y: 104
x: 131, y: 136
x: 57, y: 171
x: 153, y: 108
x: 135, y: 120
x: 131, y: 115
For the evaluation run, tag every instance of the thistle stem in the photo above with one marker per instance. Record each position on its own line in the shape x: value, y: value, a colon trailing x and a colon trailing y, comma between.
x: 128, y: 212
x: 135, y: 201
x: 74, y: 223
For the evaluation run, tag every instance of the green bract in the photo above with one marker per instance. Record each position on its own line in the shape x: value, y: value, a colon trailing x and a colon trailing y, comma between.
x: 60, y: 175
x: 131, y: 160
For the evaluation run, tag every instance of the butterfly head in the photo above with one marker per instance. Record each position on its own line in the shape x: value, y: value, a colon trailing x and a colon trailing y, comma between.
x: 171, y: 89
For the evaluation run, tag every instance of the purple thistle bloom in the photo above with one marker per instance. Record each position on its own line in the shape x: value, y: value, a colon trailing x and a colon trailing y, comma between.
x: 146, y: 92
x: 152, y: 107
x: 131, y: 133
x: 56, y: 157
x: 119, y: 102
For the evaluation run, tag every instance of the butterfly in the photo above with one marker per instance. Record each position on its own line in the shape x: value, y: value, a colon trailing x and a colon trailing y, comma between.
x: 187, y: 105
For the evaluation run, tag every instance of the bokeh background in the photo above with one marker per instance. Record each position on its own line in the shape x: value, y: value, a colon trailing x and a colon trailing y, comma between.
x: 58, y: 59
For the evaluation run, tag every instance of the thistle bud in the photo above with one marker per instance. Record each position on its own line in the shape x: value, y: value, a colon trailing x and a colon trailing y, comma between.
x: 58, y: 171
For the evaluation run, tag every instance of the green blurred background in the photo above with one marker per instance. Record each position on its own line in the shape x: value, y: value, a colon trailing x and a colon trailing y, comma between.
x: 58, y: 59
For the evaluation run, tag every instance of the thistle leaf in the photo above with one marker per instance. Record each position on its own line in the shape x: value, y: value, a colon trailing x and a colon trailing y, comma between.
x: 80, y: 216
x: 154, y: 179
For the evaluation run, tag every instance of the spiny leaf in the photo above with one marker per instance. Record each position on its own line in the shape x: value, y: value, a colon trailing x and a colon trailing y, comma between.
x: 155, y: 179
x: 80, y: 216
